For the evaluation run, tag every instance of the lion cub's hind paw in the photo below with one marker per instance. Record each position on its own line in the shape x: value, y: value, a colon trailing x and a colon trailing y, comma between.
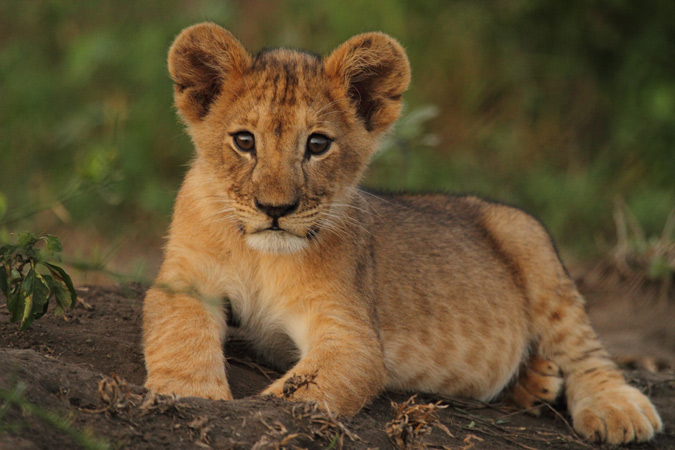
x: 618, y: 416
x: 540, y: 382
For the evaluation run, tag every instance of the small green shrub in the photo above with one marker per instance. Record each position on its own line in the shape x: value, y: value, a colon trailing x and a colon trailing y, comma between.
x: 28, y: 281
x: 636, y: 253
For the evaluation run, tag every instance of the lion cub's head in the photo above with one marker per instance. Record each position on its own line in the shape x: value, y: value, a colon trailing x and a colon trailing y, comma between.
x: 283, y: 137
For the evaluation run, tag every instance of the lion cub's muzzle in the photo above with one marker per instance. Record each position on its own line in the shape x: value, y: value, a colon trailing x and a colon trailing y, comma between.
x: 275, y: 212
x: 281, y: 234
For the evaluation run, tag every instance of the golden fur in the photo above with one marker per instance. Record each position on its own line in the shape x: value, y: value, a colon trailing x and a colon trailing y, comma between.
x: 427, y: 293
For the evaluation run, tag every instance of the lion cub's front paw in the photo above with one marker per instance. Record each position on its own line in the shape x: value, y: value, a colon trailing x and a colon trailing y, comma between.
x: 213, y: 390
x: 616, y: 416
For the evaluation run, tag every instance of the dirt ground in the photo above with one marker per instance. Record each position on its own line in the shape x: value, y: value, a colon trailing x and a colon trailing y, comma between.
x: 76, y: 382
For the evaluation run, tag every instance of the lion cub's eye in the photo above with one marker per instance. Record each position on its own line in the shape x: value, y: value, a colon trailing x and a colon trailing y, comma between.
x: 318, y: 144
x: 244, y: 141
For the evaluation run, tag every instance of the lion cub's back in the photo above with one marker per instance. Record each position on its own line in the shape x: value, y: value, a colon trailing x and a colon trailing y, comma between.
x: 451, y: 309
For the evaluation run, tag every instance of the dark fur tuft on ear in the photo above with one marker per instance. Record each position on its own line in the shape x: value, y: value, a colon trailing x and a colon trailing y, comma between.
x: 201, y: 59
x: 374, y: 70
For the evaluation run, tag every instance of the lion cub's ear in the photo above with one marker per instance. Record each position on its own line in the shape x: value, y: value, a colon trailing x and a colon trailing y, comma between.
x: 202, y: 59
x: 374, y: 70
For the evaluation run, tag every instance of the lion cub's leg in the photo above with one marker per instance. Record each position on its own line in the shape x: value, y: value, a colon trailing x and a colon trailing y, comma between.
x: 602, y: 405
x: 183, y: 346
x: 541, y: 381
x: 342, y: 370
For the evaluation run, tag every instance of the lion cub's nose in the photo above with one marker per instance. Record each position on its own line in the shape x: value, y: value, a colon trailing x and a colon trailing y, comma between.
x: 276, y: 211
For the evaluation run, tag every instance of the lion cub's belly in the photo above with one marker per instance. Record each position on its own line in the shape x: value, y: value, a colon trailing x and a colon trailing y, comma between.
x: 472, y: 365
x: 464, y: 345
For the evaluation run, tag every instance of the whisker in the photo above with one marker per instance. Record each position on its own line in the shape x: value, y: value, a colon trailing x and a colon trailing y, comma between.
x: 326, y: 106
x: 361, y: 191
x: 346, y: 205
x: 342, y: 225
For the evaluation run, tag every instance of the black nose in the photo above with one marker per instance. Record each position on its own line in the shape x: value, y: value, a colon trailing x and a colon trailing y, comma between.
x: 276, y: 211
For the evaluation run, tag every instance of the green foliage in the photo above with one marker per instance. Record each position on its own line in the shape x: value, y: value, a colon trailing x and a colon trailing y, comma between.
x: 28, y: 281
x: 16, y: 398
x: 555, y: 106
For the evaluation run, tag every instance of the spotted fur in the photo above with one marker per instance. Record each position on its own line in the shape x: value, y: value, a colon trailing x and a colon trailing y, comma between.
x: 427, y: 293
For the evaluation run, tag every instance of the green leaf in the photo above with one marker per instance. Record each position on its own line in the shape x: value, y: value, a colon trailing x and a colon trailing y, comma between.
x: 53, y: 244
x: 4, y: 280
x: 6, y: 252
x: 42, y: 294
x: 27, y: 239
x: 60, y: 292
x: 36, y: 298
x: 27, y: 317
x: 61, y: 274
x: 27, y: 284
x: 26, y: 292
x: 15, y: 305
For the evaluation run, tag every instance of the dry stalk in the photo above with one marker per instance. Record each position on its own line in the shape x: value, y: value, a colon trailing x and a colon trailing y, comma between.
x: 270, y: 374
x: 413, y: 422
x: 296, y: 382
x: 200, y: 425
x: 323, y: 423
x: 277, y: 437
x: 115, y: 395
x: 159, y: 403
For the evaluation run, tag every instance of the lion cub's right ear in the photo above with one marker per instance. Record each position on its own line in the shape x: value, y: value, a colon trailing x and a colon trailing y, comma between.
x: 201, y: 60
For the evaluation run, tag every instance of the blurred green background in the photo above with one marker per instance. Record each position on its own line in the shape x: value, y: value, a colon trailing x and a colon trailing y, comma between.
x: 559, y: 107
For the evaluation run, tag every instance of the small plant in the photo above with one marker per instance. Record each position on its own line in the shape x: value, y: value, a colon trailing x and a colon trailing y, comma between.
x: 635, y: 252
x: 15, y: 397
x: 28, y: 281
x: 643, y: 258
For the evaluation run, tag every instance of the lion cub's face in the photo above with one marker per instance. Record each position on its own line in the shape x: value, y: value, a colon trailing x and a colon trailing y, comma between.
x: 284, y: 136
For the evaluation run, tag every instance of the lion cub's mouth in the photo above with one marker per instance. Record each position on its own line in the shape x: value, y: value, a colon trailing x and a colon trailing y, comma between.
x: 275, y: 239
x: 274, y: 228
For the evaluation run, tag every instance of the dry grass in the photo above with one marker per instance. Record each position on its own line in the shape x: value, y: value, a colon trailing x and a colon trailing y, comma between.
x: 467, y: 415
x: 297, y: 382
x: 412, y: 423
x: 116, y: 396
x: 323, y: 423
x: 315, y: 423
x: 277, y: 437
x: 642, y: 259
x: 114, y: 393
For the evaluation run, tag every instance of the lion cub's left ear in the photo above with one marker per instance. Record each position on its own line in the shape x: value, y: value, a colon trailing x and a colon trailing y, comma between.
x: 374, y: 71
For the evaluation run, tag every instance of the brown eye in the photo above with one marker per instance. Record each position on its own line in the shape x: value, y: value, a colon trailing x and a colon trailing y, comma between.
x: 318, y: 144
x: 244, y: 141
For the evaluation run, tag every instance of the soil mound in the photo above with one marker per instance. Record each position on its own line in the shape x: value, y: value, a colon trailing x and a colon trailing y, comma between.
x: 75, y: 381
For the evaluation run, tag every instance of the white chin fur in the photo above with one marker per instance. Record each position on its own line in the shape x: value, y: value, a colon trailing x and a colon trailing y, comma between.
x: 276, y: 242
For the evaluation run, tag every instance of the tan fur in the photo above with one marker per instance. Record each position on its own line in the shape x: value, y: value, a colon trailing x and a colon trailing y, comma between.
x: 540, y: 382
x: 427, y: 293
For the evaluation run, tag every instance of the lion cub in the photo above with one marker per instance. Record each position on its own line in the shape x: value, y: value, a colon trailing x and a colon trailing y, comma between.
x: 428, y: 293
